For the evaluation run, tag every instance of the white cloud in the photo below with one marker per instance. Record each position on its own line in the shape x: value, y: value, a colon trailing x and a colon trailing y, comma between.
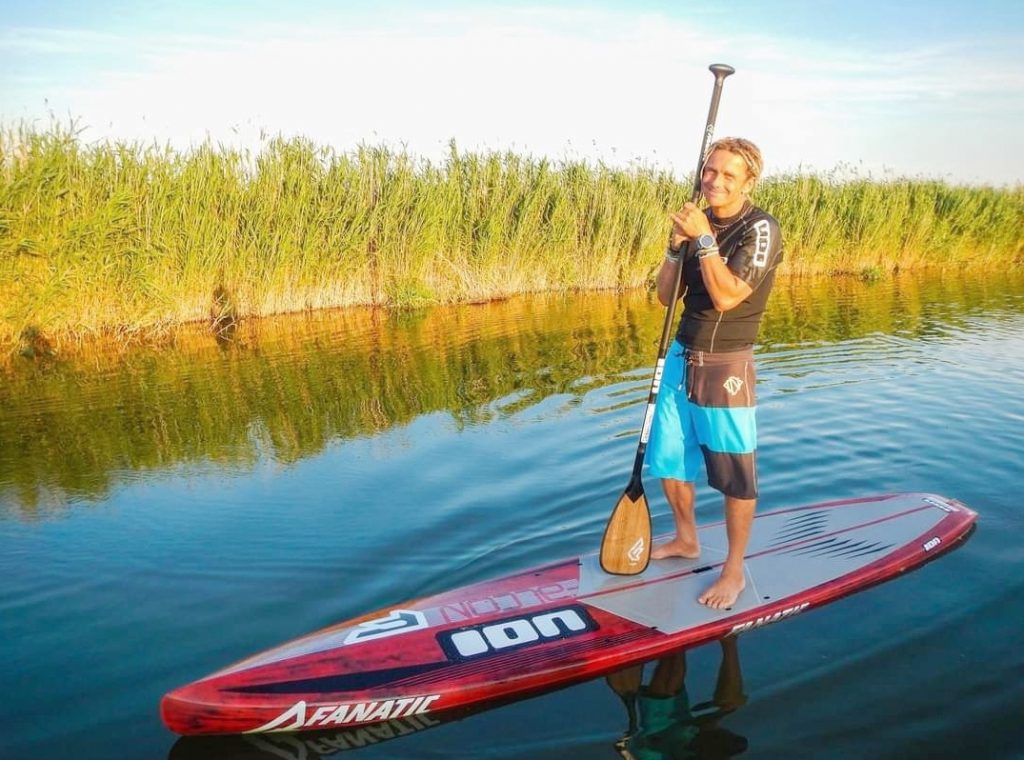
x: 594, y: 84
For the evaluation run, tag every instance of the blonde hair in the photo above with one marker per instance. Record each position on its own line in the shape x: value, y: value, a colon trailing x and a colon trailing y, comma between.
x: 745, y: 149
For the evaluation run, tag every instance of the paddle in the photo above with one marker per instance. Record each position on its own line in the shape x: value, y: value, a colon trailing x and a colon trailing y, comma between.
x: 626, y: 546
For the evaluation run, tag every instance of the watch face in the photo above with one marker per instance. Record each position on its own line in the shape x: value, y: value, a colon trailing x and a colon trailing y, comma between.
x: 705, y: 241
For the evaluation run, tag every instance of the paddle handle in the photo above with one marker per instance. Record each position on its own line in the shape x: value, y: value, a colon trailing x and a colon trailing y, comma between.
x: 721, y: 71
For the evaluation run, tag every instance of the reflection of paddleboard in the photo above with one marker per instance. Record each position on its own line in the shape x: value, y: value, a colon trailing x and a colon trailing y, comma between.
x: 562, y: 623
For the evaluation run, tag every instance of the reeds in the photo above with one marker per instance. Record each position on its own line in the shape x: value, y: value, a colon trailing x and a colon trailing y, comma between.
x: 868, y: 226
x: 124, y: 238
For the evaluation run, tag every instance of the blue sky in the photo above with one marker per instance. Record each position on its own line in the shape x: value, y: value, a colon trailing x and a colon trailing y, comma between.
x: 915, y: 88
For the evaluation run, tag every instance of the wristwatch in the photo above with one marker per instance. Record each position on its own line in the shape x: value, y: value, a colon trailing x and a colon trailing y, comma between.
x: 706, y: 241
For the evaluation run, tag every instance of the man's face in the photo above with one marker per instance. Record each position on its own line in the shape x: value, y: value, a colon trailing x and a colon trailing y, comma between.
x: 725, y: 180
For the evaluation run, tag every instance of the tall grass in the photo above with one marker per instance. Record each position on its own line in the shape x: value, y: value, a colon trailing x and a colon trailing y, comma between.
x: 862, y: 224
x: 121, y: 238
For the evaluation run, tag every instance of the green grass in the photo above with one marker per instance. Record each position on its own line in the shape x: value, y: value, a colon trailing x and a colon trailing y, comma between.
x: 871, y: 227
x: 127, y: 239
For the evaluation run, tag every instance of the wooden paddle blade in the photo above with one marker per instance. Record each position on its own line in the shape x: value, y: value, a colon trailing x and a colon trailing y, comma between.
x: 626, y: 546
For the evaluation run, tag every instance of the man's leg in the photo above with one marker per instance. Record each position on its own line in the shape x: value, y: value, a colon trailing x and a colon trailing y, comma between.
x: 680, y: 495
x: 724, y: 411
x: 739, y: 515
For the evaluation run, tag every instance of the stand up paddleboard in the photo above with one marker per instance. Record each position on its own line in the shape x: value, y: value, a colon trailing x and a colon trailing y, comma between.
x: 563, y: 623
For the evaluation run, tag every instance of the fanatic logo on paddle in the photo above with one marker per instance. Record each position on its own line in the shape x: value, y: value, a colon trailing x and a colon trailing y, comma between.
x: 636, y: 551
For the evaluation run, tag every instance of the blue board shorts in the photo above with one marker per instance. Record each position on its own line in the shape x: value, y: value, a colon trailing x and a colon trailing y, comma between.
x: 705, y: 413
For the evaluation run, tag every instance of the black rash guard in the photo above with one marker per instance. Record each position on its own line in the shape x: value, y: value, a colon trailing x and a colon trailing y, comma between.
x: 751, y: 244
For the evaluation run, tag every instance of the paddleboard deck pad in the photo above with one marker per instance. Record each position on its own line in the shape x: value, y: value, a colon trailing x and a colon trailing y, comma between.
x: 563, y: 623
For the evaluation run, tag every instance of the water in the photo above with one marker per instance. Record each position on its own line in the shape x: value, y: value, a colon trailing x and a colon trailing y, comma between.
x: 164, y: 512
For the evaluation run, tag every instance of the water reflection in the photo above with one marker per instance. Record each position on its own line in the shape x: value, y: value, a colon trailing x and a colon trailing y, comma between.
x: 283, y: 389
x: 662, y: 722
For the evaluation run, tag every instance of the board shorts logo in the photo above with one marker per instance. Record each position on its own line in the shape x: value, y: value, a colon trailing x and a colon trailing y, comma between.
x: 399, y: 621
x: 483, y: 640
x: 636, y: 551
x: 733, y: 385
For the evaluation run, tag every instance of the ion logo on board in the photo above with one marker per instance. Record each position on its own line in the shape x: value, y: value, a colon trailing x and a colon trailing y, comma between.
x: 513, y: 633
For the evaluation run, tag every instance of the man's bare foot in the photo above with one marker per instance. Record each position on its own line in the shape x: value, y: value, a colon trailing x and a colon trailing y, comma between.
x: 677, y: 547
x: 723, y: 592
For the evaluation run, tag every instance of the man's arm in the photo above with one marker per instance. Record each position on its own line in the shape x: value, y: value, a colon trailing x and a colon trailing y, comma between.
x: 667, y: 279
x: 727, y: 291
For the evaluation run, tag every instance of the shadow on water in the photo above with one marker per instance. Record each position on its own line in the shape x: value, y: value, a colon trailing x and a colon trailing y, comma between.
x: 284, y: 389
x: 661, y: 720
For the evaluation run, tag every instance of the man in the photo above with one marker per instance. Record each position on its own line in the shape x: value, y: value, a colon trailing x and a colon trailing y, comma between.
x: 705, y: 408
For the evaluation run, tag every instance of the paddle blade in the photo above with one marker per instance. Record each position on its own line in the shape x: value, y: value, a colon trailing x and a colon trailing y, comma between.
x: 626, y: 546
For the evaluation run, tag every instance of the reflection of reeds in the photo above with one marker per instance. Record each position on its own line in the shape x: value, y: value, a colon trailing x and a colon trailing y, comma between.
x: 285, y: 388
x: 121, y: 238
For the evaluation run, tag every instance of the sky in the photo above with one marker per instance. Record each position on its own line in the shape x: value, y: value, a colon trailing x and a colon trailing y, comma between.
x: 917, y: 88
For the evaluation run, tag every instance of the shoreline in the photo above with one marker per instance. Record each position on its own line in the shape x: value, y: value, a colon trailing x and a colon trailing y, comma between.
x: 37, y: 348
x: 126, y: 240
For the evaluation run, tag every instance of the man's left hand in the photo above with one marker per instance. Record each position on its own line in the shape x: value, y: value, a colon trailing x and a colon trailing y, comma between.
x: 689, y: 223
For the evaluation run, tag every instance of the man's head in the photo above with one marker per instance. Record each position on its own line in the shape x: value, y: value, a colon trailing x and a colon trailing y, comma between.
x: 746, y: 150
x: 729, y: 174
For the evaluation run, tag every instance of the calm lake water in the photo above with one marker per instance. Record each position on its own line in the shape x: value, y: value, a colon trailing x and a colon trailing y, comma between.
x: 164, y: 512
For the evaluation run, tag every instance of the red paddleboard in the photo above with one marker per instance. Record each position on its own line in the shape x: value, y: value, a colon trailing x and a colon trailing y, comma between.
x: 562, y: 623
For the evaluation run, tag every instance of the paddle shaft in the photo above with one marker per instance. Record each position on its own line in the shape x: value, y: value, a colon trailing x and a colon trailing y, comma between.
x: 721, y: 71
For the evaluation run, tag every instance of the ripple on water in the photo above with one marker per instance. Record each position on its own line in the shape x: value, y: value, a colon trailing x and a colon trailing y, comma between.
x: 171, y: 512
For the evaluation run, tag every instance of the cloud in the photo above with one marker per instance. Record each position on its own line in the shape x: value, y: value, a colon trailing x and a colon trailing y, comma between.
x: 606, y: 85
